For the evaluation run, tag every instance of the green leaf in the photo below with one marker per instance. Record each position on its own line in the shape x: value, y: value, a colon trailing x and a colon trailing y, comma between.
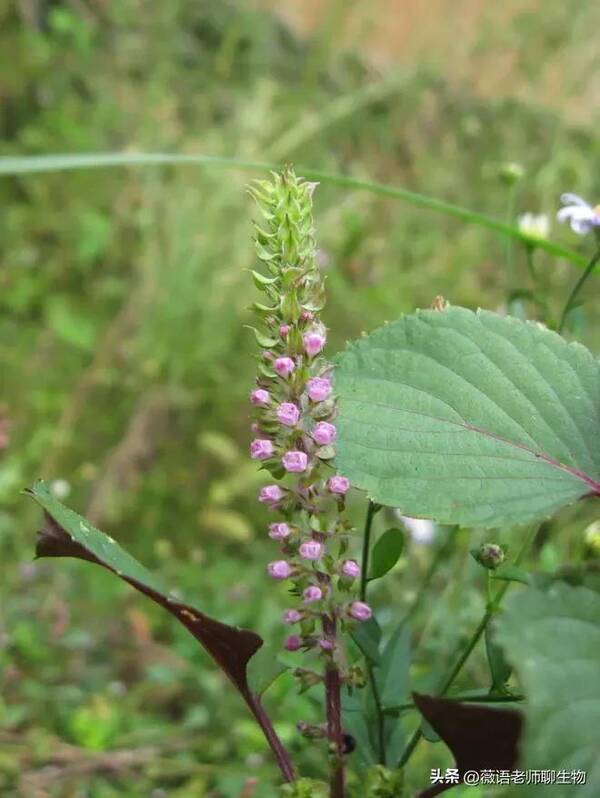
x: 469, y: 418
x: 500, y: 670
x: 393, y: 673
x: 367, y: 637
x: 67, y: 534
x: 264, y: 668
x: 511, y: 573
x: 552, y: 639
x: 263, y: 340
x: 386, y: 553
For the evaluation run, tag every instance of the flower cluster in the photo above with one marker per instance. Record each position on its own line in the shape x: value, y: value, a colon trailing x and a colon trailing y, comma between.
x: 294, y: 422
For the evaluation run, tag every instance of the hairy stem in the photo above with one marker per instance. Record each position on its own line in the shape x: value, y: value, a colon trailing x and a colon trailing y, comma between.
x: 576, y: 289
x: 333, y: 705
x: 491, y: 609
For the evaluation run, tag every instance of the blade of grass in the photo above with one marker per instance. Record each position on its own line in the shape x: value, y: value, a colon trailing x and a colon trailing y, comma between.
x: 52, y: 163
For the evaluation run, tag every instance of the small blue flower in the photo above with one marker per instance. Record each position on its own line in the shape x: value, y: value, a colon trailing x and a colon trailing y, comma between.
x: 581, y: 215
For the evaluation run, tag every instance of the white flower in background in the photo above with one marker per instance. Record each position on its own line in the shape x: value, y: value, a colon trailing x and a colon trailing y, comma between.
x: 581, y: 215
x: 60, y: 488
x: 535, y: 225
x: 421, y: 530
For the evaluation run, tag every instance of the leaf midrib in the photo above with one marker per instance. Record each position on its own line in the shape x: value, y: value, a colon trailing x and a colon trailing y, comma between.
x: 468, y: 427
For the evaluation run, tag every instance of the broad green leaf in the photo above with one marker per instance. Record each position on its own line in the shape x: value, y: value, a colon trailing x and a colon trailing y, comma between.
x: 393, y: 673
x: 386, y: 553
x: 367, y: 637
x: 264, y: 668
x: 469, y: 418
x: 552, y: 639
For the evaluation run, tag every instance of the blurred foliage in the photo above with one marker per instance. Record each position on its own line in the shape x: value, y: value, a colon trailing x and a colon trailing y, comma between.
x: 125, y: 364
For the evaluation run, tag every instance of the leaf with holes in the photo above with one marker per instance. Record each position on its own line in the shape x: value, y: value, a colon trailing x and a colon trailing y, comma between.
x: 469, y: 418
x: 67, y: 534
x: 552, y: 638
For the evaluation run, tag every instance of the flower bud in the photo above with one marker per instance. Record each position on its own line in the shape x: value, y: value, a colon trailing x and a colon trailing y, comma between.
x: 306, y: 315
x: 318, y: 389
x: 288, y: 414
x: 292, y: 616
x: 270, y: 494
x: 279, y: 531
x: 311, y: 594
x: 284, y: 366
x: 339, y: 485
x: 295, y: 461
x: 311, y: 550
x: 261, y: 449
x: 260, y: 397
x: 489, y: 555
x: 313, y: 343
x: 360, y: 611
x: 325, y: 645
x: 280, y: 569
x: 293, y: 643
x: 351, y: 569
x: 324, y: 433
x: 284, y: 330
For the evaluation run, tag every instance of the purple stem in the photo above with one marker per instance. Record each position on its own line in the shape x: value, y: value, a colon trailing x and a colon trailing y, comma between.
x: 334, y: 717
x: 263, y: 720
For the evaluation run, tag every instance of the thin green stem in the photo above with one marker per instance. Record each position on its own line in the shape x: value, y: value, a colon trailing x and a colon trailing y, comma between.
x: 439, y: 557
x: 491, y: 609
x: 53, y: 163
x: 476, y: 698
x: 576, y: 289
x: 372, y: 511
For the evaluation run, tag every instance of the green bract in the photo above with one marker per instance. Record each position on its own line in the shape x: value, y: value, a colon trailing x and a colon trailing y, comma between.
x: 469, y: 418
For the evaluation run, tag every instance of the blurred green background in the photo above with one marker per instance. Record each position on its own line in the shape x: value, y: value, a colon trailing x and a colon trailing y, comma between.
x: 125, y: 365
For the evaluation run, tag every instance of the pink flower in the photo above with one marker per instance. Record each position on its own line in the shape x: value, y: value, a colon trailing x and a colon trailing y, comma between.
x: 260, y: 397
x: 326, y: 645
x: 280, y: 569
x: 324, y: 433
x: 306, y: 315
x: 288, y: 414
x: 292, y: 616
x: 319, y: 389
x: 339, y: 485
x: 279, y: 531
x: 313, y: 343
x: 312, y: 593
x: 351, y: 569
x: 360, y: 611
x: 311, y: 550
x: 261, y: 449
x: 284, y: 330
x: 270, y: 494
x: 293, y: 643
x: 295, y: 461
x: 284, y: 366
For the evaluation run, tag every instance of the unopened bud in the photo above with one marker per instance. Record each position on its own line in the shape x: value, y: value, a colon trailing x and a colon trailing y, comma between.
x: 489, y: 555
